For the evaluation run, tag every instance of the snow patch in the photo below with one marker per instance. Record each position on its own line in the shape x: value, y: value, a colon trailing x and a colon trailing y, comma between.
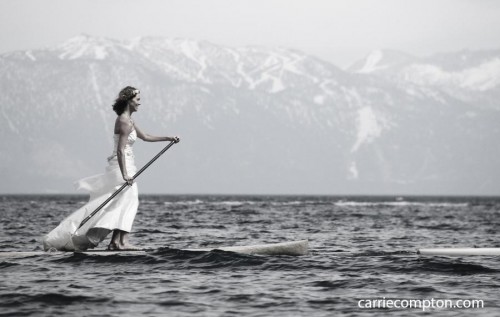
x: 353, y: 170
x: 471, y: 114
x: 95, y: 86
x: 423, y: 74
x: 203, y: 64
x: 368, y: 127
x: 247, y: 78
x: 30, y: 55
x: 372, y: 62
x: 277, y: 83
x: 12, y: 126
x: 234, y: 54
x: 327, y: 86
x: 481, y: 78
x: 410, y: 91
x: 84, y: 46
x: 352, y: 96
x: 133, y: 43
x: 189, y: 48
x: 484, y: 77
x: 100, y: 52
x: 319, y: 99
x: 205, y: 90
x: 105, y: 121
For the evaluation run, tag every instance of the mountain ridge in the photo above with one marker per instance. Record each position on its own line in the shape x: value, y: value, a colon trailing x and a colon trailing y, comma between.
x: 252, y: 120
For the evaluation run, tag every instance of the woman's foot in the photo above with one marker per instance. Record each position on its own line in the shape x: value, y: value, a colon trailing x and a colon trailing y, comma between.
x: 114, y: 244
x: 122, y: 247
x: 113, y: 247
x: 119, y: 242
x: 124, y: 244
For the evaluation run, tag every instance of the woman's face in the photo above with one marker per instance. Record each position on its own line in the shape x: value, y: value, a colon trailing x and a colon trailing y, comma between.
x: 135, y: 103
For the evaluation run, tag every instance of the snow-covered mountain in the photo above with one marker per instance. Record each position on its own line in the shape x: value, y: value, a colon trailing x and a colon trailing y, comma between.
x: 382, y: 60
x: 253, y: 119
x: 470, y: 76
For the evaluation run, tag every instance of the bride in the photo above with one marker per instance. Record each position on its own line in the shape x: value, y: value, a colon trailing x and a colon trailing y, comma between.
x: 118, y: 215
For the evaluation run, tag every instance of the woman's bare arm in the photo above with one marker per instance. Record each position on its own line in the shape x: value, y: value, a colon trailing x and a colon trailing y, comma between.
x: 151, y: 138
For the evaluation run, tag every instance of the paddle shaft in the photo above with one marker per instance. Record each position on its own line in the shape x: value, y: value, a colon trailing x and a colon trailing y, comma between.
x: 84, y: 221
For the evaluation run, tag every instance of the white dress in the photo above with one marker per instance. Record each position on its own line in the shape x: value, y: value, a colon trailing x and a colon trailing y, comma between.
x: 119, y: 213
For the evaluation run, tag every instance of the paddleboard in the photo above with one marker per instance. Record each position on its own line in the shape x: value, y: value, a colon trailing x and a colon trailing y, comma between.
x: 285, y: 248
x: 295, y: 248
x: 460, y: 251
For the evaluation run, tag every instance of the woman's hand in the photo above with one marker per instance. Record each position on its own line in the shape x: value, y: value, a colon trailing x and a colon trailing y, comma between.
x: 128, y: 179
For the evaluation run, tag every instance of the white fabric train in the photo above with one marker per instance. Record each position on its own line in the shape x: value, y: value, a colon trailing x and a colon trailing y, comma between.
x: 119, y: 213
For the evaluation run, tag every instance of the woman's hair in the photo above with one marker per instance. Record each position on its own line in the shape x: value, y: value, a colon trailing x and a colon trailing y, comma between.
x: 124, y: 96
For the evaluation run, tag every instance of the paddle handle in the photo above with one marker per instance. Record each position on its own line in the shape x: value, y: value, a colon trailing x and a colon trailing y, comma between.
x: 84, y: 221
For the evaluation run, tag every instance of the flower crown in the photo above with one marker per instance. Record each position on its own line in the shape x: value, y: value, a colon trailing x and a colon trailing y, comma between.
x: 124, y: 94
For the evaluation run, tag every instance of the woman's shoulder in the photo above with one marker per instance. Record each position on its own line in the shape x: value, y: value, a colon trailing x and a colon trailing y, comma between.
x: 123, y: 122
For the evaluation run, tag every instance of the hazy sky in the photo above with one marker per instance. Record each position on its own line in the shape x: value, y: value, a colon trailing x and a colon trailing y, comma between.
x: 338, y: 31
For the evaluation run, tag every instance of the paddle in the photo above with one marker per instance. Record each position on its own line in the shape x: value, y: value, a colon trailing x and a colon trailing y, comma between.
x: 124, y: 185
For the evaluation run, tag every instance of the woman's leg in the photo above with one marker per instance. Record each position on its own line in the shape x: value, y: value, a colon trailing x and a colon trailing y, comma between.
x: 119, y: 241
x: 124, y: 243
x: 114, y: 244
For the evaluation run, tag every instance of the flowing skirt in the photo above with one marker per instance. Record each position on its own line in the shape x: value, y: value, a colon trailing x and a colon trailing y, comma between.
x: 118, y: 214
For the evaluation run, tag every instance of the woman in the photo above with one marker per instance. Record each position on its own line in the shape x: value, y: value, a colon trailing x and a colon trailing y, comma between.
x: 118, y: 215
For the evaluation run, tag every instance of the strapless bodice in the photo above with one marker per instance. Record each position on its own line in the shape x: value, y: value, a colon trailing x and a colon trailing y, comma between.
x: 128, y: 146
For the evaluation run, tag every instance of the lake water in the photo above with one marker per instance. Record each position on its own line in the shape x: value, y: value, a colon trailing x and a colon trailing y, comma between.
x: 362, y: 248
